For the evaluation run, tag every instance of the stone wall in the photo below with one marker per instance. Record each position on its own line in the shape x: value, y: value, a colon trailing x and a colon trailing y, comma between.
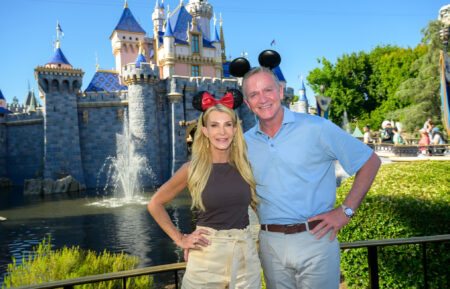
x: 24, y: 150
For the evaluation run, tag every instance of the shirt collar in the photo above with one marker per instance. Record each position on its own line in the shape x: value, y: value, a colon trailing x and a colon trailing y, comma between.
x: 288, y: 117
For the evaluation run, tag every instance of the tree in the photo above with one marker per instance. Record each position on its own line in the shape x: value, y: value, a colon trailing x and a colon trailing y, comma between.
x: 420, y: 93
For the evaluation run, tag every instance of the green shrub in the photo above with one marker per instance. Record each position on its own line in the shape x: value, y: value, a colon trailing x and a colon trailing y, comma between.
x: 44, y: 265
x: 405, y: 200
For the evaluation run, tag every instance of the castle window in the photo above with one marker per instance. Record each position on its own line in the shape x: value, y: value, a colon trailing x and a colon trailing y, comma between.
x: 120, y: 115
x: 85, y: 116
x: 195, y: 70
x: 123, y: 37
x: 195, y: 44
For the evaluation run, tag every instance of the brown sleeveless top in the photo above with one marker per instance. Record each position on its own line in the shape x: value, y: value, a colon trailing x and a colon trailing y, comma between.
x: 226, y: 198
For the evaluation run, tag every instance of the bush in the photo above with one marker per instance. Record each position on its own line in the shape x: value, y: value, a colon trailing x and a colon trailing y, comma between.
x: 405, y: 200
x: 44, y: 265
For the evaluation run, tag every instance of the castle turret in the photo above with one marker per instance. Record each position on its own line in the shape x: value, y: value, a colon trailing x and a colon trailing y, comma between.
x: 143, y: 115
x: 59, y: 84
x: 302, y: 104
x: 158, y: 16
x: 169, y: 50
x: 202, y: 11
x: 125, y: 39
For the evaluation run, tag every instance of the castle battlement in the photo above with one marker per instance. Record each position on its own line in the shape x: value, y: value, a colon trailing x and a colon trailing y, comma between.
x: 146, y: 73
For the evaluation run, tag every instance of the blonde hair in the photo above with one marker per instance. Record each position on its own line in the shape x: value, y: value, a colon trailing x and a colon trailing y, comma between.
x: 201, y: 162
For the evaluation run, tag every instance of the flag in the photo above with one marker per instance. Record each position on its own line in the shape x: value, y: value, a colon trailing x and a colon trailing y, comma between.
x: 59, y: 31
x: 272, y: 43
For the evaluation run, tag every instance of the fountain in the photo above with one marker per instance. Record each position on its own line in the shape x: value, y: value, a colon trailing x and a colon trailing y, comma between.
x: 125, y: 171
x: 345, y: 124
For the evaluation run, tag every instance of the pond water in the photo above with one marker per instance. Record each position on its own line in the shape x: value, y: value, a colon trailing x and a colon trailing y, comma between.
x: 90, y: 222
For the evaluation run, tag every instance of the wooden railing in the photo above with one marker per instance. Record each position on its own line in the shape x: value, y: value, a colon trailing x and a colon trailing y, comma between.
x: 372, y: 259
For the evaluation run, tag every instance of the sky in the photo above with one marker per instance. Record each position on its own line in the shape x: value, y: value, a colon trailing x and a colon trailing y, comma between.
x: 304, y: 31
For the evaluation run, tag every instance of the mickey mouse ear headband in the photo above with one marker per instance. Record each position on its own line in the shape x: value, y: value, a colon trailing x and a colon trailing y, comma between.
x: 268, y: 58
x: 203, y: 100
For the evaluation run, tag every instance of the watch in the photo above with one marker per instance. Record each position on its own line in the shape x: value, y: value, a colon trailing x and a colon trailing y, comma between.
x: 347, y: 211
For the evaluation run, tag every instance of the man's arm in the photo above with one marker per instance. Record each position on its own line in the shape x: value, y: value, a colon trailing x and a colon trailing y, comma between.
x: 336, y: 219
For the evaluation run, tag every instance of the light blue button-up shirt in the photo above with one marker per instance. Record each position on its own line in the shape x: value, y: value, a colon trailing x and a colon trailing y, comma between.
x: 295, y: 171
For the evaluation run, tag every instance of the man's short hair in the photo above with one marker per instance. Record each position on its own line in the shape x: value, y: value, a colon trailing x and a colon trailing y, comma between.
x: 256, y: 70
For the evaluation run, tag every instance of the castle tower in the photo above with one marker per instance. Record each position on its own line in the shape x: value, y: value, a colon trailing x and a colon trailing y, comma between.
x: 158, y: 16
x: 59, y: 84
x: 202, y: 11
x: 125, y: 39
x: 169, y: 50
x: 302, y: 104
x: 141, y: 79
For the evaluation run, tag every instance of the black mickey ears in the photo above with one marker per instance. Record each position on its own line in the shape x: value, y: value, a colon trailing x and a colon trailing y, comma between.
x: 268, y: 58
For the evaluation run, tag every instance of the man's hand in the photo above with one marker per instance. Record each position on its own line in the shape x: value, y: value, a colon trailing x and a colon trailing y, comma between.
x: 333, y: 220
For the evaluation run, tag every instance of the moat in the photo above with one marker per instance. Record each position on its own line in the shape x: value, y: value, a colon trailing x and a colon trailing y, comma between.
x: 90, y: 222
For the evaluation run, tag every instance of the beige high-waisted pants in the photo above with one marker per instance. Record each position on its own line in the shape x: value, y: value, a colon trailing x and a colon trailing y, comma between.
x: 231, y: 261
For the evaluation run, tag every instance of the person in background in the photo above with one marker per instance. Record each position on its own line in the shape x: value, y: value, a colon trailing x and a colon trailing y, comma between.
x: 437, y: 137
x: 292, y: 157
x: 424, y: 141
x: 221, y: 252
x: 367, y: 135
x: 397, y: 138
x: 386, y: 133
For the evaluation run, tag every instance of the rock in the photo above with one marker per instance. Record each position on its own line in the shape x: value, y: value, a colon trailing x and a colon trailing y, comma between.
x: 32, y: 187
x: 67, y: 184
x: 47, y: 186
x: 5, y: 183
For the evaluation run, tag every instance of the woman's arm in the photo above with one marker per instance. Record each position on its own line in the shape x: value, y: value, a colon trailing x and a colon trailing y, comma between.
x: 165, y: 194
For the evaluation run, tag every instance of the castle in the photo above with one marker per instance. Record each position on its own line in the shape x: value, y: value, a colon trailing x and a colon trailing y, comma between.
x: 156, y: 77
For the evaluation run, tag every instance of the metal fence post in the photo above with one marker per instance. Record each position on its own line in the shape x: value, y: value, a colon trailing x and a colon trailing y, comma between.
x: 373, y: 267
x: 424, y: 261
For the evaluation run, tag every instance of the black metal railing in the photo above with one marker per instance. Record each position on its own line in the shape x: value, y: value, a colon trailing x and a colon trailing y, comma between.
x: 372, y: 259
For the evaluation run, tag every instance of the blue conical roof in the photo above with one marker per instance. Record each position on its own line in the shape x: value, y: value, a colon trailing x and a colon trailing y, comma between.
x: 302, y: 95
x: 215, y: 37
x: 168, y: 31
x: 58, y: 57
x: 159, y: 5
x: 1, y: 95
x: 128, y: 23
x: 139, y: 59
x: 278, y: 73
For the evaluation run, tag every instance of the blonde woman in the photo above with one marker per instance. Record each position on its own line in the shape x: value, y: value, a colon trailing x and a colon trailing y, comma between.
x: 220, y: 252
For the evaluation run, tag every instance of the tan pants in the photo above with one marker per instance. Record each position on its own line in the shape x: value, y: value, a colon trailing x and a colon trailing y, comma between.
x: 231, y: 261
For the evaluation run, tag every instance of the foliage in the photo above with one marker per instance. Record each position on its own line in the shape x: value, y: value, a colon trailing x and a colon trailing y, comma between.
x: 405, y: 200
x: 388, y: 82
x: 45, y: 264
x: 421, y: 92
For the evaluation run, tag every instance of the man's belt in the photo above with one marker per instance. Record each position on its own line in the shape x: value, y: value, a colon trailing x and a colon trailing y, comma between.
x: 290, y: 229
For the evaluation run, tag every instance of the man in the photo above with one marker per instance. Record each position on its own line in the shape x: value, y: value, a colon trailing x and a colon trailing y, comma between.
x: 386, y: 134
x: 292, y: 157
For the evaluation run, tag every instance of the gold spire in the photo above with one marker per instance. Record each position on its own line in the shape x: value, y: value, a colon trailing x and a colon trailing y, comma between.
x: 140, y: 47
x: 222, y: 40
x: 96, y: 61
x: 215, y: 19
x: 126, y: 4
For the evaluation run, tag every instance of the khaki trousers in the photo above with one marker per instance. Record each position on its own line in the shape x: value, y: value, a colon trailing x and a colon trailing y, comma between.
x: 230, y: 261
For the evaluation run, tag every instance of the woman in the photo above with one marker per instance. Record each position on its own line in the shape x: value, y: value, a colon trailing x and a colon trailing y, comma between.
x: 424, y: 141
x: 222, y: 253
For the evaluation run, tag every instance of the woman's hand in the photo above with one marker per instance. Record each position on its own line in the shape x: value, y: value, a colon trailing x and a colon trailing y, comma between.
x: 195, y: 240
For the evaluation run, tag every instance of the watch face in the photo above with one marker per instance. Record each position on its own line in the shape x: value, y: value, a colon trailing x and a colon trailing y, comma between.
x: 348, y: 212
